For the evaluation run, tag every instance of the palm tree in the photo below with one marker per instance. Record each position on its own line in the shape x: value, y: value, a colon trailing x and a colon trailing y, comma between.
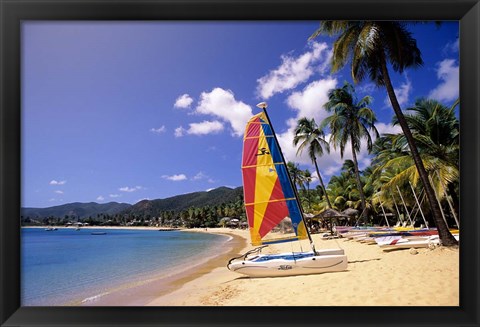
x: 296, y: 174
x: 311, y: 137
x: 371, y: 45
x: 307, y: 177
x: 435, y: 129
x: 349, y: 167
x: 341, y: 188
x: 351, y: 121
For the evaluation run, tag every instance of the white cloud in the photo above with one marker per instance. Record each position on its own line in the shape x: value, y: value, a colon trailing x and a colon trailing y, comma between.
x: 294, y: 70
x: 366, y: 89
x: 402, y: 93
x: 114, y: 195
x: 448, y: 89
x: 205, y: 127
x: 175, y: 178
x: 55, y: 182
x: 309, y: 102
x: 306, y: 103
x: 159, y: 130
x: 100, y: 198
x: 222, y: 104
x: 179, y: 131
x: 59, y: 192
x: 184, y: 101
x: 199, y: 176
x: 452, y: 47
x: 388, y: 128
x: 130, y: 189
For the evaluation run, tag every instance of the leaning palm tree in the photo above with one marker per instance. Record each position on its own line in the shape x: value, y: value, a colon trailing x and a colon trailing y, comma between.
x: 435, y: 129
x: 371, y: 46
x: 311, y: 137
x: 351, y: 121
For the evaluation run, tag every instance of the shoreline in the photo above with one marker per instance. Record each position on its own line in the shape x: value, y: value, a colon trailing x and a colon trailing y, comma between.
x: 143, y: 292
x: 426, y: 277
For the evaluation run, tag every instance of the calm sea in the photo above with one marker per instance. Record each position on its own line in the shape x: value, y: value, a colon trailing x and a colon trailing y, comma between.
x: 65, y: 266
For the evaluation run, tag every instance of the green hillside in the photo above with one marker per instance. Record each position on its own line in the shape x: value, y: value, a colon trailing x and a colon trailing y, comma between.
x: 121, y: 212
x: 216, y: 197
x: 76, y: 209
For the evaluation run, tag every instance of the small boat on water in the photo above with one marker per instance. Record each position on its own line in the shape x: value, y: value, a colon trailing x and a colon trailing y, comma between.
x: 98, y: 233
x: 49, y: 229
x: 274, y: 211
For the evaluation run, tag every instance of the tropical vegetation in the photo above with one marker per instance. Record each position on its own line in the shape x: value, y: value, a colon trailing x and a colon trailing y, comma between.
x: 198, y: 209
x: 391, y: 183
x: 350, y: 122
x: 370, y: 47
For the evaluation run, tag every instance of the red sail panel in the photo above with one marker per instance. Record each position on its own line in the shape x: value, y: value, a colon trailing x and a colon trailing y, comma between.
x: 275, y: 212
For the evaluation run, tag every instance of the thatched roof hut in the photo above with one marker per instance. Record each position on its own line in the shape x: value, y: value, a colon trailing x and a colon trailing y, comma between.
x: 328, y: 217
x: 350, y: 212
x: 330, y: 213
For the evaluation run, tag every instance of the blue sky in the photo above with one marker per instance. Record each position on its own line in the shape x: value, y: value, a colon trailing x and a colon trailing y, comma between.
x: 124, y: 111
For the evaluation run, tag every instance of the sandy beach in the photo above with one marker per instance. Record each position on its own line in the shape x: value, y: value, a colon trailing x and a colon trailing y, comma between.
x: 373, y: 278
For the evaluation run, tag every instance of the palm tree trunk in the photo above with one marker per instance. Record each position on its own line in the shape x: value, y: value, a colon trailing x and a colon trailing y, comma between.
x: 359, y: 182
x: 321, y: 183
x: 445, y: 236
x: 453, y: 194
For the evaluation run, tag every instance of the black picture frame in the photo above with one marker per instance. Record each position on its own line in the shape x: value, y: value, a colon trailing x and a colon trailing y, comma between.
x: 13, y: 12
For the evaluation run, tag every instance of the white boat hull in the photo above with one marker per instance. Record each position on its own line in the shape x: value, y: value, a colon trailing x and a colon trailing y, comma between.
x: 392, y: 243
x: 288, y: 264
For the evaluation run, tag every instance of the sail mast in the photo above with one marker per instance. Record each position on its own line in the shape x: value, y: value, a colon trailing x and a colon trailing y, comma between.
x: 263, y: 106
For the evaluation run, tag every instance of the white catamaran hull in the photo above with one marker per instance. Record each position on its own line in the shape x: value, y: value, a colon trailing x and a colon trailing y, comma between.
x: 392, y: 243
x: 288, y: 264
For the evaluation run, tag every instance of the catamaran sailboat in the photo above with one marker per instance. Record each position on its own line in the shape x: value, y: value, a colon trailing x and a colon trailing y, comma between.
x: 273, y: 210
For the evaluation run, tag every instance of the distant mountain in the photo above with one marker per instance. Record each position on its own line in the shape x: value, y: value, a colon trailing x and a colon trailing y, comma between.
x: 177, y: 203
x: 77, y: 209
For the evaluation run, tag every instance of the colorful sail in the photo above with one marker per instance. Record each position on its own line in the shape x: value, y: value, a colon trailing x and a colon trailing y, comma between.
x: 270, y: 201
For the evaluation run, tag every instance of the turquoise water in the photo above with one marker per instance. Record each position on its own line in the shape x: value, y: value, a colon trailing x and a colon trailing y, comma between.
x: 64, y: 266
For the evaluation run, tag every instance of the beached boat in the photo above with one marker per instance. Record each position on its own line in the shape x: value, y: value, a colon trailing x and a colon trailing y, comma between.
x: 388, y: 243
x: 274, y: 212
